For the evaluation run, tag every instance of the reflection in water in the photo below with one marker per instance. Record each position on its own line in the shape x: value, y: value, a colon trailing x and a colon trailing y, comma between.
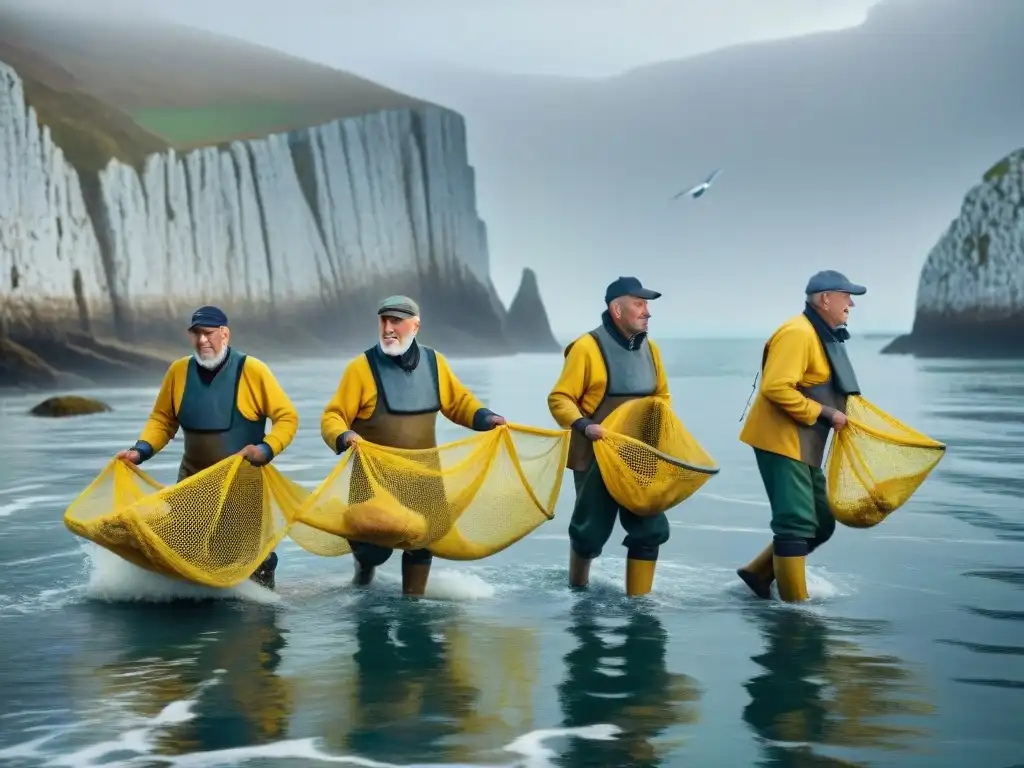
x: 985, y: 404
x: 626, y: 684
x: 428, y: 686
x: 1013, y: 577
x: 223, y: 657
x: 819, y: 687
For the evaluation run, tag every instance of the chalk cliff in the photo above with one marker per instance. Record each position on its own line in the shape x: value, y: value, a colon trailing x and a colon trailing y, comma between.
x: 296, y: 235
x: 970, y: 297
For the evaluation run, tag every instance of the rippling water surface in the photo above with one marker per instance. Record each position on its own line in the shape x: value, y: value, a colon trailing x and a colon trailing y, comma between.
x: 909, y: 654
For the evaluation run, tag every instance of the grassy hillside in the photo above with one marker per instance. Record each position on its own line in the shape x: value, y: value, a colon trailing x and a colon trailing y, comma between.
x: 89, y: 131
x: 186, y: 86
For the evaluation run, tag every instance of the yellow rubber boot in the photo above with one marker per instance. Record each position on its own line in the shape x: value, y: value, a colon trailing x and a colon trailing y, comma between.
x: 792, y: 578
x: 639, y: 577
x: 414, y: 578
x: 759, y: 573
x: 579, y: 570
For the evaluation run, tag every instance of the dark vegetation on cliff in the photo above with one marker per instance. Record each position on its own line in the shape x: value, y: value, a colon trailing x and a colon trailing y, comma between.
x: 975, y: 333
x: 125, y: 90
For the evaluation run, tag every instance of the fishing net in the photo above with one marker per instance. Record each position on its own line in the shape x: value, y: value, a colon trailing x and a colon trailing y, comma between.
x: 648, y: 459
x: 464, y: 500
x: 214, y: 528
x: 875, y: 464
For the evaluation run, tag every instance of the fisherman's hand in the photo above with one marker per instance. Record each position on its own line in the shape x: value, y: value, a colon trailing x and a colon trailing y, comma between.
x: 595, y: 431
x: 350, y: 438
x: 131, y: 456
x: 254, y: 455
x: 838, y: 420
x: 495, y: 420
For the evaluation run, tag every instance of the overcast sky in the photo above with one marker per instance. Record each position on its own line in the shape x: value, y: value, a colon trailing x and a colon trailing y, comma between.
x: 584, y: 38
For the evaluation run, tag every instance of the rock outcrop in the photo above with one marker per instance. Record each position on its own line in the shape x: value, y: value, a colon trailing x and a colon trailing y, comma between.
x: 296, y: 235
x: 970, y: 297
x: 527, y: 326
x: 69, y: 405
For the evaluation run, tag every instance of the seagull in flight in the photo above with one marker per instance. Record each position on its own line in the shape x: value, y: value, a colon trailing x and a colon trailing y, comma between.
x: 700, y: 189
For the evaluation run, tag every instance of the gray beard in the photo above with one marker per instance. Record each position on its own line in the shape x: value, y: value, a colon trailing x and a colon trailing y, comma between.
x: 401, y: 349
x: 209, y: 363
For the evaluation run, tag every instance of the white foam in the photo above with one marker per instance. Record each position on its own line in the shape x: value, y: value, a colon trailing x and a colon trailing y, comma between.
x: 140, y: 737
x: 28, y: 502
x: 116, y: 580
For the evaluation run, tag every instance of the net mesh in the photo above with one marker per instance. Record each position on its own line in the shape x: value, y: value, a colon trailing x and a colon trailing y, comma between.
x: 875, y: 464
x: 648, y: 459
x: 213, y: 528
x: 464, y: 500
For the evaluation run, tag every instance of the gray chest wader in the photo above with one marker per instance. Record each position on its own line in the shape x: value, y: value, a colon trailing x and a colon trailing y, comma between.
x: 214, y: 430
x: 631, y: 374
x: 405, y: 416
x: 833, y: 393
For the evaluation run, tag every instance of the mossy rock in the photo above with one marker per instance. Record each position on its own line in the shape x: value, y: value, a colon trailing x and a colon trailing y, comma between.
x: 69, y: 405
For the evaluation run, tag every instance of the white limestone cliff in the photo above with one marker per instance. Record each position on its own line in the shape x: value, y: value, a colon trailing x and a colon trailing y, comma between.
x: 970, y: 298
x: 299, y: 223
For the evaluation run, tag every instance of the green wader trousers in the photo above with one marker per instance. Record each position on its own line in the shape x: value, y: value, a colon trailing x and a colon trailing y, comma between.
x: 593, y: 519
x: 796, y: 491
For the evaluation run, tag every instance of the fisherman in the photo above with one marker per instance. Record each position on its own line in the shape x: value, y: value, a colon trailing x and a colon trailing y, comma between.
x: 390, y: 395
x: 221, y: 399
x: 604, y: 368
x: 806, y: 377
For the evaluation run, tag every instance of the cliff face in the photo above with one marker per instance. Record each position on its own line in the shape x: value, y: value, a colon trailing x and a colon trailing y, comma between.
x: 970, y: 297
x: 295, y: 235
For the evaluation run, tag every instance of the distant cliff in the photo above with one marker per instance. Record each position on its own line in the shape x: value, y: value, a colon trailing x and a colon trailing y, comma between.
x: 970, y: 297
x: 296, y: 235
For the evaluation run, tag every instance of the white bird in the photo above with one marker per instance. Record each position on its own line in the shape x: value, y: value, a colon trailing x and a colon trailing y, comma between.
x: 700, y: 189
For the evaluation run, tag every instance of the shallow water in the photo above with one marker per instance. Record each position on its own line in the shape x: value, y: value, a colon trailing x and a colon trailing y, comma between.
x: 909, y: 654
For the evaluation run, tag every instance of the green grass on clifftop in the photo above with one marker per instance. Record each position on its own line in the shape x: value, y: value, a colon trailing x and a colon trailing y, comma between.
x: 162, y: 84
x: 88, y: 131
x: 185, y: 127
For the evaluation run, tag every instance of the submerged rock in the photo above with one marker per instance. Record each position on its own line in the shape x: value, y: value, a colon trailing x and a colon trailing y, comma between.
x: 69, y: 405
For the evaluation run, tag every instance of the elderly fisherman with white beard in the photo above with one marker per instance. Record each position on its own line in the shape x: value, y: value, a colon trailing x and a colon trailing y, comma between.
x: 390, y: 395
x: 221, y: 399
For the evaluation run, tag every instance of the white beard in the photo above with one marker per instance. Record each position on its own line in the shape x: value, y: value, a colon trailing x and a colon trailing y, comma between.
x: 209, y: 363
x: 399, y: 349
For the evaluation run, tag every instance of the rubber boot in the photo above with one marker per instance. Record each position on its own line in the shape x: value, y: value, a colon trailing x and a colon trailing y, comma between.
x: 759, y: 573
x: 792, y: 578
x: 414, y: 578
x: 639, y: 577
x: 264, y: 575
x: 364, y: 575
x: 579, y: 570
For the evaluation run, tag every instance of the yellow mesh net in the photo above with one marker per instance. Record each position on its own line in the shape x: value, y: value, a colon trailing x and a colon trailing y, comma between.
x: 214, y: 528
x: 648, y: 459
x: 464, y: 500
x: 875, y: 464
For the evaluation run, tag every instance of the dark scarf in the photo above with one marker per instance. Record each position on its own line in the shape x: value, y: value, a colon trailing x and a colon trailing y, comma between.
x: 843, y: 378
x: 632, y: 343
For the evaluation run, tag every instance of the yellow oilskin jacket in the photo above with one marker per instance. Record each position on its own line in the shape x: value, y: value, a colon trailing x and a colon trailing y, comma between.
x: 356, y: 398
x: 259, y: 396
x: 584, y: 380
x: 794, y: 358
